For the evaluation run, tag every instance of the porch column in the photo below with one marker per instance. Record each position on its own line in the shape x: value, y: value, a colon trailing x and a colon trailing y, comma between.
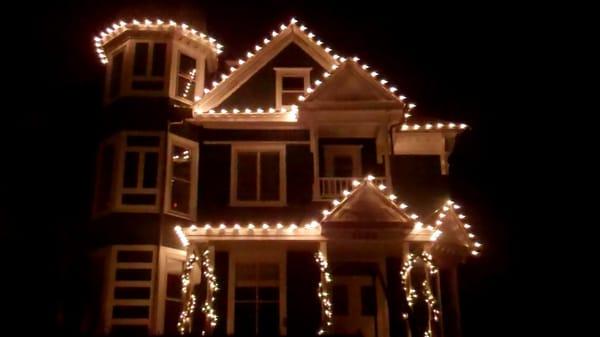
x: 325, y: 290
x: 208, y: 308
x: 190, y: 277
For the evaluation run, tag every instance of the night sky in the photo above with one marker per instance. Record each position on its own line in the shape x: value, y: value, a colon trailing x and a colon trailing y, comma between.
x: 457, y: 62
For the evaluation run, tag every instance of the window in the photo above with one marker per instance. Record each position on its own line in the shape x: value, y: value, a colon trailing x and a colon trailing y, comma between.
x: 343, y: 160
x: 257, y: 299
x: 258, y: 175
x: 182, y: 175
x: 340, y: 300
x: 129, y: 290
x: 149, y: 61
x: 115, y: 74
x: 290, y: 83
x: 186, y: 77
x: 368, y: 303
x: 140, y: 171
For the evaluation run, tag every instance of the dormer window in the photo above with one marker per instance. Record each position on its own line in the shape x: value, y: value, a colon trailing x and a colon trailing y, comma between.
x: 186, y: 77
x: 290, y: 83
x: 149, y: 63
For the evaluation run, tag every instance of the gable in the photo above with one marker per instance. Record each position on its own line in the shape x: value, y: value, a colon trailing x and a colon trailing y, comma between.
x: 228, y: 83
x: 367, y: 207
x: 350, y: 84
x: 259, y: 90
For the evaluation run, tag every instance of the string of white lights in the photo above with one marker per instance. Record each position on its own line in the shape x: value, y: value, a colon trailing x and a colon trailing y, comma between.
x: 412, y: 295
x: 184, y: 324
x: 114, y: 30
x: 443, y: 214
x: 324, y: 293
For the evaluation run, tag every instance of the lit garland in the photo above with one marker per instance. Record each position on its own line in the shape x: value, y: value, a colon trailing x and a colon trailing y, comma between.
x: 116, y: 29
x: 208, y: 307
x: 284, y: 114
x: 412, y: 295
x: 336, y: 61
x: 433, y: 127
x: 185, y: 323
x: 324, y: 293
x: 309, y: 229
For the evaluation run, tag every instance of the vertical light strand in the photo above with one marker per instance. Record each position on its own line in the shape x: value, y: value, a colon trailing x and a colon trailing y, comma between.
x: 324, y: 291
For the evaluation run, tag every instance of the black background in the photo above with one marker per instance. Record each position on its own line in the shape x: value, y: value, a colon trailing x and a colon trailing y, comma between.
x: 461, y: 62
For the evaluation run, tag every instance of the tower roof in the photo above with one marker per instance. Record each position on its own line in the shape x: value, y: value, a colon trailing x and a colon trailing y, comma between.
x: 452, y: 232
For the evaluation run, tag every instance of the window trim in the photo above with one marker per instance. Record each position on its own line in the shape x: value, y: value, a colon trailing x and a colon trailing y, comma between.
x: 172, y: 140
x: 120, y: 190
x: 258, y: 147
x: 280, y: 73
x: 354, y: 151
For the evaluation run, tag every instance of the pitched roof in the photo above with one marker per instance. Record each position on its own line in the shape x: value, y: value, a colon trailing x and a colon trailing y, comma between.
x: 116, y: 29
x: 267, y: 50
x: 451, y: 230
x: 367, y: 206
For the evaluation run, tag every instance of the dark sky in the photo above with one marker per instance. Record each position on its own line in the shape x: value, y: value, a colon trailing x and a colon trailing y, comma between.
x: 463, y: 63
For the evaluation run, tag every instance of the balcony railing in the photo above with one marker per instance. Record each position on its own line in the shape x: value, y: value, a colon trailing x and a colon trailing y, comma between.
x: 332, y: 187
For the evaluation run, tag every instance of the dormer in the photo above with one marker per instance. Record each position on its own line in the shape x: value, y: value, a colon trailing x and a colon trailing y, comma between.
x: 156, y: 59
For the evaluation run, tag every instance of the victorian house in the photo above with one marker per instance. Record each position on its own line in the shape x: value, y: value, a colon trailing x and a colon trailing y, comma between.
x: 288, y: 192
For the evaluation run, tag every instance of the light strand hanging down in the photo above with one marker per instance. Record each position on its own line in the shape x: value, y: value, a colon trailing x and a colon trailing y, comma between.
x: 208, y: 307
x: 324, y: 293
x: 184, y: 324
x: 426, y: 293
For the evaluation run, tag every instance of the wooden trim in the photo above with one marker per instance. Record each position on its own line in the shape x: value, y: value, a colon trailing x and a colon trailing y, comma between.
x: 263, y: 142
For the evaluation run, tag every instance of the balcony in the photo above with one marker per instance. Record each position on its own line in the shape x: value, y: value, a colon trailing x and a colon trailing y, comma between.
x: 332, y: 187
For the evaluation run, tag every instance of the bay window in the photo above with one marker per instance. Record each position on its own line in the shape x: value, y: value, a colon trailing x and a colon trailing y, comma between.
x: 186, y: 77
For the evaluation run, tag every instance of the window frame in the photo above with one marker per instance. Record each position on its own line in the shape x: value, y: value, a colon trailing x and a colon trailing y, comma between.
x: 174, y: 140
x: 333, y: 150
x: 149, y: 65
x: 257, y: 256
x: 187, y: 77
x: 258, y: 147
x: 139, y: 189
x: 280, y: 73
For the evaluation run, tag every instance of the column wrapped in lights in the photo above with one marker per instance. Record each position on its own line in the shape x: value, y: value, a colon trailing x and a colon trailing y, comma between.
x: 426, y: 293
x: 184, y: 325
x: 208, y: 271
x: 324, y: 293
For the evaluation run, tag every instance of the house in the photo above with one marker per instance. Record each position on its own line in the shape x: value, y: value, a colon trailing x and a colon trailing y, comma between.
x: 276, y: 194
